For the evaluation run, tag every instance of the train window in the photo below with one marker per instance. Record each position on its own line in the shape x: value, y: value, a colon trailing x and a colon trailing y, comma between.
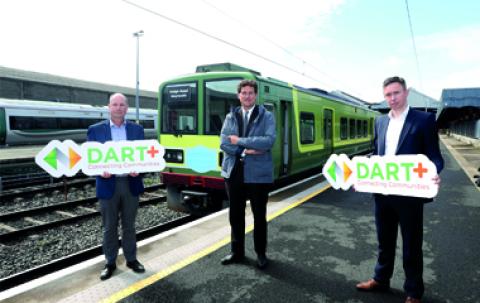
x: 147, y: 124
x: 307, y: 128
x: 365, y: 128
x: 270, y: 107
x: 87, y: 122
x: 359, y: 128
x: 220, y: 97
x: 352, y: 128
x: 70, y: 123
x: 179, y: 108
x: 33, y: 123
x: 343, y: 128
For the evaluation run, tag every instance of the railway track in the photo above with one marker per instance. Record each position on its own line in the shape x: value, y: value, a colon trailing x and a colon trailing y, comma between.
x: 48, y: 194
x: 64, y: 186
x: 86, y: 254
x: 25, y: 222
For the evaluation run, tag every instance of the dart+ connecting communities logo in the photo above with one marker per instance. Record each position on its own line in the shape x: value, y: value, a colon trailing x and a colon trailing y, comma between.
x: 93, y: 158
x: 404, y: 175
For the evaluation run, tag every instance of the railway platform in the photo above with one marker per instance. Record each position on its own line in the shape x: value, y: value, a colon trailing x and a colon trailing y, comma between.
x: 14, y: 153
x: 321, y: 243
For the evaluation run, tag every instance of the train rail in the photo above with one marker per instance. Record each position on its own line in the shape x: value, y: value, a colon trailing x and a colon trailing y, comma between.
x: 24, y: 222
x: 48, y: 194
x: 46, y: 187
x: 72, y: 259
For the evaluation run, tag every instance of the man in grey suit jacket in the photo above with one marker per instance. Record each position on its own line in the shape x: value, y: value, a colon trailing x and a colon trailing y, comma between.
x: 247, y: 137
x: 403, y: 131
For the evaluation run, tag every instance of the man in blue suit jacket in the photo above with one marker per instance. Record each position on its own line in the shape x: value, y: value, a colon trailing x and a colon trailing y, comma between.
x: 403, y: 131
x: 118, y: 194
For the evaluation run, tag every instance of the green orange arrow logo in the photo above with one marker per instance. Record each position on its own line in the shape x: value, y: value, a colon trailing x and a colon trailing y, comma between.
x: 74, y: 157
x: 51, y: 158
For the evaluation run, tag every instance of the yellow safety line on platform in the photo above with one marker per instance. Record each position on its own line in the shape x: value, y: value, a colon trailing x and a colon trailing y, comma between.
x: 181, y: 264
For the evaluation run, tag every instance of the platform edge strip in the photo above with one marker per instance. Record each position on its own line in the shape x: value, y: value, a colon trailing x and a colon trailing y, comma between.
x: 179, y: 265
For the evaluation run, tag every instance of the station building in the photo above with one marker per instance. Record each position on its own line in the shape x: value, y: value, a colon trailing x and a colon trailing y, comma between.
x: 27, y: 85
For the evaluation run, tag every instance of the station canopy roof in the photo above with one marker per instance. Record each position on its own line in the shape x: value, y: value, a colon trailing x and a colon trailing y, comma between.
x: 459, y: 104
x: 461, y: 97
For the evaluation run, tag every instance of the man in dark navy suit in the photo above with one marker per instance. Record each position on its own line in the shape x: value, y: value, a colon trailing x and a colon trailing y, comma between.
x: 118, y: 194
x: 403, y: 131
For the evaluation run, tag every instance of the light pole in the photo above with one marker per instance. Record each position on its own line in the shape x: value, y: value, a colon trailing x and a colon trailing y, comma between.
x: 137, y: 102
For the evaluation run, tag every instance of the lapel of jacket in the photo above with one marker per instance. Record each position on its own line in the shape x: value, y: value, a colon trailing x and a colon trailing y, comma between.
x: 382, y: 134
x: 405, y: 129
x: 129, y: 131
x: 252, y: 118
x: 239, y: 118
x: 108, y: 131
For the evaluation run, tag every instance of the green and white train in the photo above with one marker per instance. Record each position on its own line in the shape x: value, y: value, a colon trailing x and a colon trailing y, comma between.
x: 26, y: 122
x: 311, y: 125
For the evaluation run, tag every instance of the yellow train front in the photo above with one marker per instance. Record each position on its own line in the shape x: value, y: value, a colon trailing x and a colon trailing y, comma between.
x: 311, y: 125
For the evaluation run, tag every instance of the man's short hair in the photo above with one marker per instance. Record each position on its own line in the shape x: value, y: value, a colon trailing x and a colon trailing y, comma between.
x: 114, y: 95
x: 395, y: 79
x: 250, y: 83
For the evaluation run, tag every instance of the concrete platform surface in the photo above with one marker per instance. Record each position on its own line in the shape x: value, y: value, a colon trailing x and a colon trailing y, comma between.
x: 321, y: 243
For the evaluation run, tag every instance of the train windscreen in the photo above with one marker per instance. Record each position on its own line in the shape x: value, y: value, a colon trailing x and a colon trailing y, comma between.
x: 220, y: 96
x: 179, y: 108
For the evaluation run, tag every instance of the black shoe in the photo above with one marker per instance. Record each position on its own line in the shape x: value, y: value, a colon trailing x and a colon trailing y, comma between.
x: 262, y: 261
x: 232, y: 258
x: 136, y: 266
x: 107, y: 272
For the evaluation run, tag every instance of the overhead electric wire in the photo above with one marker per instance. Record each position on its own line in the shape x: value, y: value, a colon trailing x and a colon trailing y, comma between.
x: 303, y: 61
x: 221, y: 40
x: 255, y: 31
x: 414, y: 46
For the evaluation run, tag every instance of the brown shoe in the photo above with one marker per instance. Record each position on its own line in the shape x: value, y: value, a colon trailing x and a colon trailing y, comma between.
x: 412, y: 300
x: 372, y: 285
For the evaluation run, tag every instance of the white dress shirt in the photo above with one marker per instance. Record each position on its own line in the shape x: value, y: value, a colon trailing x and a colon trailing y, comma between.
x: 248, y: 113
x: 394, y: 130
x: 119, y: 133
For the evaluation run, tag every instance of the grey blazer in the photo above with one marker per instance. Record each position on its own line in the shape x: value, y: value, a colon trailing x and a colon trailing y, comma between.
x: 260, y: 136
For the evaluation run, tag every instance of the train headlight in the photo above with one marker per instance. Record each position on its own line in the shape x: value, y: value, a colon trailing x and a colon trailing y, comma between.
x: 173, y: 155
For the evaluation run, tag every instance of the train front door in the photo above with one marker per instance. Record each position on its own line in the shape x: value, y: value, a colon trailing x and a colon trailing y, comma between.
x: 285, y: 137
x: 328, y: 130
x: 281, y: 111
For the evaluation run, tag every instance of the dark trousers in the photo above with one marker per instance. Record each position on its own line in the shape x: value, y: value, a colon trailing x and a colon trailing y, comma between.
x: 122, y: 205
x: 238, y: 193
x: 391, y: 211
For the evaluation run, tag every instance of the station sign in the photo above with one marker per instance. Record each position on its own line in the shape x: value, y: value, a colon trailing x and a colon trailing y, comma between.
x: 93, y: 158
x: 404, y: 175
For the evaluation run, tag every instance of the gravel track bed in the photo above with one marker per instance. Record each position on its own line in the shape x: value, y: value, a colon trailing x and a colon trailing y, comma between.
x: 57, y: 196
x: 50, y: 198
x: 39, y: 249
x: 18, y: 224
